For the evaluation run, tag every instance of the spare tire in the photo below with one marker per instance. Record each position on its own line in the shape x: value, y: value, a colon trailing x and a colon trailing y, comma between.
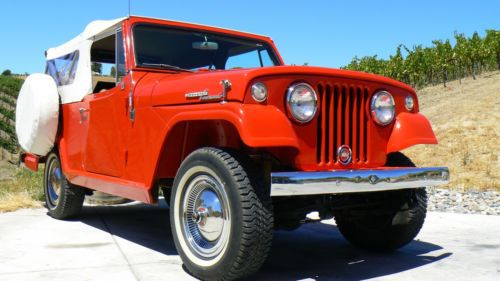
x: 37, y: 114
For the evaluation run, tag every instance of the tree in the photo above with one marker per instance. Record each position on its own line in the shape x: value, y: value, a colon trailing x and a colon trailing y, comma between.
x: 477, y: 53
x: 461, y: 53
x: 112, y: 72
x: 7, y: 72
x: 492, y: 43
x: 97, y: 68
x: 417, y: 65
x: 396, y: 67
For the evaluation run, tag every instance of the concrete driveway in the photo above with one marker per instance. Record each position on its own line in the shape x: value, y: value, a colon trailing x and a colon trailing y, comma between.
x: 133, y: 242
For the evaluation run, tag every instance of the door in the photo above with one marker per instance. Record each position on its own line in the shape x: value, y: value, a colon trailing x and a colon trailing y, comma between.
x: 105, y: 145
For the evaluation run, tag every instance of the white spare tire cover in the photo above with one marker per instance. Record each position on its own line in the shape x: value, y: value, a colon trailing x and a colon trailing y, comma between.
x: 37, y: 114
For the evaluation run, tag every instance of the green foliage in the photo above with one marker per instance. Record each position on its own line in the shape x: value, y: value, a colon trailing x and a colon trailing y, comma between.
x: 9, y: 90
x: 8, y: 100
x: 10, y: 85
x: 7, y: 113
x: 97, y: 68
x: 112, y: 72
x: 420, y: 66
x: 7, y: 72
x: 492, y: 43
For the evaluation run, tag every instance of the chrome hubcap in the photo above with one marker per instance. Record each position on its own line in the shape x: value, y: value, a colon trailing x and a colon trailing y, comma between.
x: 205, y: 217
x: 54, y: 183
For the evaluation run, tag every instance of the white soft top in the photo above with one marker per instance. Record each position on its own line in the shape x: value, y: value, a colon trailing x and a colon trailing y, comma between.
x: 92, y: 30
x: 82, y: 83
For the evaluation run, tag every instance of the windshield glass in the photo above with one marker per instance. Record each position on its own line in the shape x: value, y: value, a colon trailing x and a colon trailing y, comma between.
x: 163, y: 47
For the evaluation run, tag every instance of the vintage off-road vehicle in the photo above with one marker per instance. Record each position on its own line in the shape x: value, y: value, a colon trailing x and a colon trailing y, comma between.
x: 238, y: 143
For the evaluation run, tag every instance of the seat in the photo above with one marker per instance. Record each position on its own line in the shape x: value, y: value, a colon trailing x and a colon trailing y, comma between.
x: 102, y: 83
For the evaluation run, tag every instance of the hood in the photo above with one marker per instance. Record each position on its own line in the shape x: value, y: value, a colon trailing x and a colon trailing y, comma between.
x: 182, y: 88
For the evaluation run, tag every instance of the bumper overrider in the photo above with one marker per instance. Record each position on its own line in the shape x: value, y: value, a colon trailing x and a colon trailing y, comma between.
x: 355, y: 181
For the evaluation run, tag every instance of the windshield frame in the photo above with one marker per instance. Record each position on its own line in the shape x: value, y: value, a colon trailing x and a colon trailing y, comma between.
x: 268, y: 44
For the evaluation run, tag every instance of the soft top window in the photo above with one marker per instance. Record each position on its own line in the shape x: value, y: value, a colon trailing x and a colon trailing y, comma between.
x: 157, y: 45
x: 63, y: 69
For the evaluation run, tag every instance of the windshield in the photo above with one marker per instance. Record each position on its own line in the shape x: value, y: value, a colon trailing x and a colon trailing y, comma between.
x: 163, y: 47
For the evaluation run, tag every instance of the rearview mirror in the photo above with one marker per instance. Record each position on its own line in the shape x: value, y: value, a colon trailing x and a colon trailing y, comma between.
x: 206, y: 46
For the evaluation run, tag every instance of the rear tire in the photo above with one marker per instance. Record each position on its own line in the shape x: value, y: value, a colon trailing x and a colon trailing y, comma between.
x: 221, y: 215
x: 388, y: 226
x: 63, y: 199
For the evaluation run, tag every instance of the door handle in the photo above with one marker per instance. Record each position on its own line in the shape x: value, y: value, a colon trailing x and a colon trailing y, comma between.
x: 83, y: 116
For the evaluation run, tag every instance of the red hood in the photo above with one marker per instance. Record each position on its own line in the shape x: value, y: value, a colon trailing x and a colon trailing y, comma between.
x: 172, y: 88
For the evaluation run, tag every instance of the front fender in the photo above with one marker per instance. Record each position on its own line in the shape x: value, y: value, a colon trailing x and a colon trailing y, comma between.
x: 410, y: 129
x: 257, y: 125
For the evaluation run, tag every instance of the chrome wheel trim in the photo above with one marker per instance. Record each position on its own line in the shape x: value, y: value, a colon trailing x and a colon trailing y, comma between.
x: 205, y: 216
x: 54, y: 183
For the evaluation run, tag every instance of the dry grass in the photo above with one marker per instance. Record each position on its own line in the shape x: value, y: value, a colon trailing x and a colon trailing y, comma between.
x: 466, y: 119
x: 19, y: 188
x: 18, y: 200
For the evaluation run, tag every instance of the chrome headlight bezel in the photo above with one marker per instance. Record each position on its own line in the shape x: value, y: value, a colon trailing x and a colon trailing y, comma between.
x: 377, y: 111
x: 293, y: 89
x: 259, y: 97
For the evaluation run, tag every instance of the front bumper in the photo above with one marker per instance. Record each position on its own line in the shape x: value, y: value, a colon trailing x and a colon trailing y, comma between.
x: 355, y: 181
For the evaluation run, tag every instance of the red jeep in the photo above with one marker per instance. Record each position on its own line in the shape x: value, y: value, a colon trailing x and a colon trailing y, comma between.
x: 238, y: 143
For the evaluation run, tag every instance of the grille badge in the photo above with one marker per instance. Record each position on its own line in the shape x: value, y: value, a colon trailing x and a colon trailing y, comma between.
x: 344, y: 154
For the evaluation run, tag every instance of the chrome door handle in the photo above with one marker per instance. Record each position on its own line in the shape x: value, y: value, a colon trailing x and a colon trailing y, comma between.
x: 83, y: 116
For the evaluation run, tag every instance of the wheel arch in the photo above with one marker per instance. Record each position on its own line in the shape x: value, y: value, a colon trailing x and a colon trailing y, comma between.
x: 235, y: 126
x: 186, y: 136
x: 410, y: 129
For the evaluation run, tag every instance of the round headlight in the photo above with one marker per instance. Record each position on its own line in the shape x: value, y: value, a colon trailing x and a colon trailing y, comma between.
x: 259, y: 92
x: 383, y: 108
x: 409, y: 103
x: 302, y: 102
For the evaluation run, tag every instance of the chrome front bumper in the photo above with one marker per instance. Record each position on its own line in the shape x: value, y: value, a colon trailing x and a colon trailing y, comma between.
x: 355, y: 181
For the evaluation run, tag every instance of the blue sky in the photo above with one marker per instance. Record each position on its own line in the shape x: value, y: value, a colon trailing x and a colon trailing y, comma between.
x: 322, y: 32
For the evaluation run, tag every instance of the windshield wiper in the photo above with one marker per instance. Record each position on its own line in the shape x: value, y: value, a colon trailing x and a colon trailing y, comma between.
x: 166, y: 66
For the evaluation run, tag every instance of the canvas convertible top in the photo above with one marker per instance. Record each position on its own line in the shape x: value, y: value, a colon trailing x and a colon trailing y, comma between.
x: 69, y: 64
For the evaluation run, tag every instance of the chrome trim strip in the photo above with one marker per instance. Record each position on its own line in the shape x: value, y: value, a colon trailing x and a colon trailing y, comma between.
x: 354, y: 181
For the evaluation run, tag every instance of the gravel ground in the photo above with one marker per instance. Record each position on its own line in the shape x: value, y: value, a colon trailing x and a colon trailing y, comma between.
x: 469, y: 202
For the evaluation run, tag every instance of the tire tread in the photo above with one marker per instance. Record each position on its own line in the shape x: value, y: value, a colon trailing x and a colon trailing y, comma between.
x: 390, y: 237
x: 257, y: 215
x: 70, y: 200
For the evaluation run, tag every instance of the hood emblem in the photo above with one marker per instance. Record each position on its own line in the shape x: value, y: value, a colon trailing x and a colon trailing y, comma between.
x: 204, y: 96
x: 194, y: 95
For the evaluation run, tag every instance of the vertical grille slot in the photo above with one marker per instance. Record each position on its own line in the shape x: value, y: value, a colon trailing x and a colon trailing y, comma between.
x: 342, y: 120
x: 319, y: 138
x: 336, y: 99
x: 365, y: 127
x: 341, y: 116
x: 328, y: 126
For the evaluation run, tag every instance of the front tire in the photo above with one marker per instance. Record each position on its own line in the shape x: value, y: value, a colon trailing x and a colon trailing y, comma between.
x: 390, y: 225
x: 62, y: 199
x: 221, y: 215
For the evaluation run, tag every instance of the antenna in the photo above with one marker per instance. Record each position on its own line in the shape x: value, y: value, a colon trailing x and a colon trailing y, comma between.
x: 129, y: 8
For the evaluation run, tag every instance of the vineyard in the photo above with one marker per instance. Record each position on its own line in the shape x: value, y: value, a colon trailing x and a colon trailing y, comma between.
x: 9, y: 89
x: 421, y: 66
